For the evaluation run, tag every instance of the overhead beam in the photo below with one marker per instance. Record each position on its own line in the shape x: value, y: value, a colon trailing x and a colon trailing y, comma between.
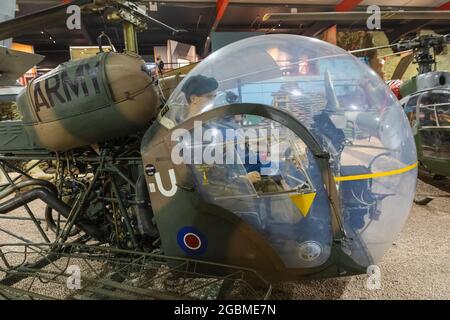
x: 347, y: 5
x: 321, y: 26
x: 157, y: 32
x: 445, y: 6
x: 414, y: 26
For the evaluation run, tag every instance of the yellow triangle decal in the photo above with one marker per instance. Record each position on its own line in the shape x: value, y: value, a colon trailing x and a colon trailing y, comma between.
x: 303, y: 202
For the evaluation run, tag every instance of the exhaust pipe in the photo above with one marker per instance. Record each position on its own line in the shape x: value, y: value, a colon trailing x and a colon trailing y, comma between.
x: 28, y: 183
x: 143, y: 210
x: 52, y: 201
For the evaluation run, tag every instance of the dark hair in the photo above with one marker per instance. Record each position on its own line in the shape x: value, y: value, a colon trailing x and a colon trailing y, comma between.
x: 198, y: 85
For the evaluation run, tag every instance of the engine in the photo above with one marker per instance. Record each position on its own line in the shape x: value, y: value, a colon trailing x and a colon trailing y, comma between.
x: 88, y: 101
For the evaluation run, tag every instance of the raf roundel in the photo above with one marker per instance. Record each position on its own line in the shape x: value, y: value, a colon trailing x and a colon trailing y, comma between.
x: 192, y: 241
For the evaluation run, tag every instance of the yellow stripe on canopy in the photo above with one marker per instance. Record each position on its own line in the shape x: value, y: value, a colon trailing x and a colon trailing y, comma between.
x: 376, y: 175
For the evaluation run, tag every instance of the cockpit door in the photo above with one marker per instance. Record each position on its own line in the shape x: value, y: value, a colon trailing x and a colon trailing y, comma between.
x: 287, y: 195
x: 433, y: 117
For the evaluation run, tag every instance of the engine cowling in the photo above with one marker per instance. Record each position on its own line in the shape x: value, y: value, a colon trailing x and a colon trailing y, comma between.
x: 88, y: 101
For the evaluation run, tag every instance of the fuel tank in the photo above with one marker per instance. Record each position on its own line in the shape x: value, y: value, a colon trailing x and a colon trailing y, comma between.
x: 88, y: 101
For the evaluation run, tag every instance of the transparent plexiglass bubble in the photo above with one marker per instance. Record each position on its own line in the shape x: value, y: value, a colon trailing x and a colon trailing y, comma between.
x: 349, y: 110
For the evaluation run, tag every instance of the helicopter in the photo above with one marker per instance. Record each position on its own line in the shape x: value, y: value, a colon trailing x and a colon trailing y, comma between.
x: 430, y: 138
x: 426, y: 101
x: 333, y: 155
x: 429, y: 133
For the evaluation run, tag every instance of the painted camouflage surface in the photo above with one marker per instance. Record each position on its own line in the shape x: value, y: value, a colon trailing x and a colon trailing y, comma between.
x: 88, y: 101
x: 231, y: 240
x: 240, y: 244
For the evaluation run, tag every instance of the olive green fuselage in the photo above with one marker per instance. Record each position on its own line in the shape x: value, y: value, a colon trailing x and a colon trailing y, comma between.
x: 433, y: 149
x: 88, y: 101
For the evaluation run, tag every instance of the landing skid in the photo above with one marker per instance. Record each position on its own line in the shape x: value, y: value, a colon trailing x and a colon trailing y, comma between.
x: 110, y: 273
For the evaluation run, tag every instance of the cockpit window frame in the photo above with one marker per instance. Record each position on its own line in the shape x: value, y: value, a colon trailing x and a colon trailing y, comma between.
x: 321, y: 156
x: 420, y: 107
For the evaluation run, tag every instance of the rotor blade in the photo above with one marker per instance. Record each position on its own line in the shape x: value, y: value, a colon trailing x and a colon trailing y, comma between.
x: 47, y: 17
x: 136, y: 11
x: 372, y: 48
x: 14, y: 64
x: 402, y: 66
x: 357, y: 15
x: 400, y: 53
x: 162, y: 24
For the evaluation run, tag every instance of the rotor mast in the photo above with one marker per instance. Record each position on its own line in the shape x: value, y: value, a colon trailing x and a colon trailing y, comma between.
x: 422, y: 48
x: 130, y: 37
x: 128, y: 13
x: 134, y: 18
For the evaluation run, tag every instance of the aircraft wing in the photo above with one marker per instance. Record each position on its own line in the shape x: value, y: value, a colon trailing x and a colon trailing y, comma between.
x: 47, y: 17
x: 13, y: 64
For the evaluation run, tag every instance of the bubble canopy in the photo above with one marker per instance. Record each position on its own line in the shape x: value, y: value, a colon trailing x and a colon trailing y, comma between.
x: 344, y: 104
